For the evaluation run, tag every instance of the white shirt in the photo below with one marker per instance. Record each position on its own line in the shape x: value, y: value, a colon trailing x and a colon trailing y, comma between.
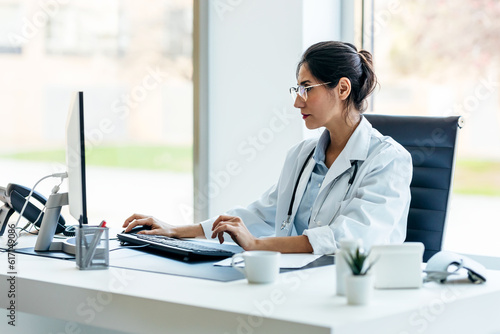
x: 374, y: 210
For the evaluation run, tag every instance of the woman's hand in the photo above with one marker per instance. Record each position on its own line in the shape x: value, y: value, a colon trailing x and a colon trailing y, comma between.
x: 235, y: 227
x: 238, y: 231
x: 157, y: 227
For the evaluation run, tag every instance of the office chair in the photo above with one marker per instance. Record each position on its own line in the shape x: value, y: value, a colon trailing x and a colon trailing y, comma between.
x: 431, y: 143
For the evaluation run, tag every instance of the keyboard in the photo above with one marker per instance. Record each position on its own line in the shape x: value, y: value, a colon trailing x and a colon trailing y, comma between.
x: 188, y: 250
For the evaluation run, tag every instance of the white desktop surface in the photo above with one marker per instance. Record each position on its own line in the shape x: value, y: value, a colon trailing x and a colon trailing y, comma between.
x: 300, y: 302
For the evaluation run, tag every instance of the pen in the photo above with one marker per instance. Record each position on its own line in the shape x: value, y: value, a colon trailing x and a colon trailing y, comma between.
x: 93, y: 245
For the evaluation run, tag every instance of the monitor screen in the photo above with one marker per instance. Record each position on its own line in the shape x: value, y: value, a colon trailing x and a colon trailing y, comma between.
x: 75, y: 159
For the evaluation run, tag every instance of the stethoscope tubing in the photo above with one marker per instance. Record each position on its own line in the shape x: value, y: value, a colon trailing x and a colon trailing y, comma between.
x: 286, y: 222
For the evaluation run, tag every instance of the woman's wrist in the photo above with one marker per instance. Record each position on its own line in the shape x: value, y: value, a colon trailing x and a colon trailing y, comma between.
x: 295, y: 244
x: 260, y: 244
x: 187, y: 231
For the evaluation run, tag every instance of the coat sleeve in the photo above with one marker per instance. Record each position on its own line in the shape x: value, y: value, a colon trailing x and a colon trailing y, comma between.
x: 377, y: 211
x: 259, y: 216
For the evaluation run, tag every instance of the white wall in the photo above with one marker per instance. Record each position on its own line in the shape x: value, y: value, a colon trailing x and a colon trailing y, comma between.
x: 322, y: 21
x: 253, y: 50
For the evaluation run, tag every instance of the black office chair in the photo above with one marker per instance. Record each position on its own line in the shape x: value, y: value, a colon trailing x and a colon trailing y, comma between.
x: 431, y: 143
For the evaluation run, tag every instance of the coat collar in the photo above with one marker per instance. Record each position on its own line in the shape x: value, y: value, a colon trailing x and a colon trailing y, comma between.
x: 356, y: 149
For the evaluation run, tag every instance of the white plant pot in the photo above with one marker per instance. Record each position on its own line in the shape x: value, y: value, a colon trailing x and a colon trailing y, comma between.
x: 359, y: 289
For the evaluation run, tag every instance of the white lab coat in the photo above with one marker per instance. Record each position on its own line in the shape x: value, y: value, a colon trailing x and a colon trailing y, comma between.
x: 375, y: 208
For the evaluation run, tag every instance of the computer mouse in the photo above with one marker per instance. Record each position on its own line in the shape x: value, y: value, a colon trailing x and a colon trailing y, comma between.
x: 138, y: 229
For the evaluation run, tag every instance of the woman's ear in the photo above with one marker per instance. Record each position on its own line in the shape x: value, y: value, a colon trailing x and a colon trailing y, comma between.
x: 344, y: 87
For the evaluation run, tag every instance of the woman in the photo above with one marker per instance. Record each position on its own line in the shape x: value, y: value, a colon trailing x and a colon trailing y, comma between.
x: 351, y: 183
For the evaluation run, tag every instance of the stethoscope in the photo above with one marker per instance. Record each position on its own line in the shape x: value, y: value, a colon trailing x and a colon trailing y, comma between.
x: 354, y: 164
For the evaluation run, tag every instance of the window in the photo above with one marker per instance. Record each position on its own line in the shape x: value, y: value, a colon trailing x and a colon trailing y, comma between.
x: 10, y: 23
x: 87, y: 28
x: 136, y: 73
x: 440, y: 58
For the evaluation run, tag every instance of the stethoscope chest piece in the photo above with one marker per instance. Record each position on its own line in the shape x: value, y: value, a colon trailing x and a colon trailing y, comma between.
x: 285, y: 223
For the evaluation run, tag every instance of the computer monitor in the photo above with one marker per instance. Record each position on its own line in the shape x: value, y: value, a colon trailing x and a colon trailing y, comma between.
x: 75, y: 159
x: 76, y: 195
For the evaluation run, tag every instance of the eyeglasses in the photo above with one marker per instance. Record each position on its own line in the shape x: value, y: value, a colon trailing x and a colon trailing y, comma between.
x: 301, y: 90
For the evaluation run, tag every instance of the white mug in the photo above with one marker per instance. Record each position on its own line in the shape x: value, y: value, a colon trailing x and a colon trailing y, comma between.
x: 260, y: 266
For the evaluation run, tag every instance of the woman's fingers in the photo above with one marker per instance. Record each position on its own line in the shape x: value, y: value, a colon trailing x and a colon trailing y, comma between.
x: 132, y: 218
x: 220, y: 236
x: 157, y: 227
x: 237, y: 231
x: 140, y: 220
x: 222, y: 225
x: 230, y: 228
x: 223, y: 218
x: 137, y: 222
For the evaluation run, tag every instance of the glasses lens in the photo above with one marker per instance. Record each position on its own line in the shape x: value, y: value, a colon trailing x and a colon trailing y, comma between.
x: 293, y: 93
x: 302, y: 92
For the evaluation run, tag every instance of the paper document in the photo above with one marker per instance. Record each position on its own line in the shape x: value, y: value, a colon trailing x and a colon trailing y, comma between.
x: 288, y: 261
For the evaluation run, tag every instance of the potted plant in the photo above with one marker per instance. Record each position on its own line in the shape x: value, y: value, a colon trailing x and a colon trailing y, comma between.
x: 359, y: 285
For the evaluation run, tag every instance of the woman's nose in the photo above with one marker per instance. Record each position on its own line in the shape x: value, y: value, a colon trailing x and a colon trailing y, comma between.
x: 299, y: 102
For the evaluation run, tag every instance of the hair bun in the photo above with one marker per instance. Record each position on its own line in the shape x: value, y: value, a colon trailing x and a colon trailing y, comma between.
x: 366, y: 57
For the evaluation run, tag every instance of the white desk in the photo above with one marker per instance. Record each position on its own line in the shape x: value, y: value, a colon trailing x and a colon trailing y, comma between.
x: 120, y: 300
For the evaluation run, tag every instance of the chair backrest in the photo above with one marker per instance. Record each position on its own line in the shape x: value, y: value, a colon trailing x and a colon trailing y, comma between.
x: 431, y: 143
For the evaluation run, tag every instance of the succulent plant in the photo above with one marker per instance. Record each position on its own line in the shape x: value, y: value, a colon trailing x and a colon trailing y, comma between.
x: 359, y: 261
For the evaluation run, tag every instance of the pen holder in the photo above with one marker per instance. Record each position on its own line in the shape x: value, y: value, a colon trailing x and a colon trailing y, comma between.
x: 92, y: 247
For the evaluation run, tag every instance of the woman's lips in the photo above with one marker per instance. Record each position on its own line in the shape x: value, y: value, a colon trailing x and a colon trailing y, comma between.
x: 304, y: 116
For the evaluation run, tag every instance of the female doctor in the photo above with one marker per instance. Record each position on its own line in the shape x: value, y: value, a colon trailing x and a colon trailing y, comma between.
x: 352, y: 182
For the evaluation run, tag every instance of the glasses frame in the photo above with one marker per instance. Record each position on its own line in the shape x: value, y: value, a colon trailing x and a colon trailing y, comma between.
x: 296, y: 91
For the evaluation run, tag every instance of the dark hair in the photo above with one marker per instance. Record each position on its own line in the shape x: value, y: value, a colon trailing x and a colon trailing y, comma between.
x: 330, y: 61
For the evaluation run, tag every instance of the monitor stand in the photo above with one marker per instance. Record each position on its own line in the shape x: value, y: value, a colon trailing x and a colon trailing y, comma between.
x: 48, y: 227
